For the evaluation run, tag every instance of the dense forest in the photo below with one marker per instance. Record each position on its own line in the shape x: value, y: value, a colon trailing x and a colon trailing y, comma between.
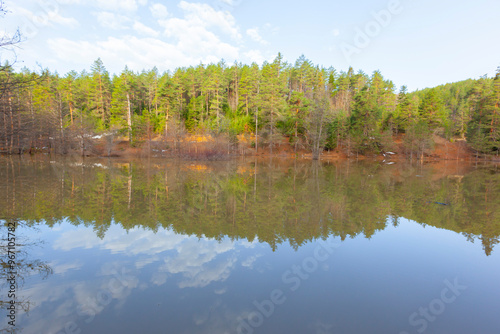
x: 311, y: 107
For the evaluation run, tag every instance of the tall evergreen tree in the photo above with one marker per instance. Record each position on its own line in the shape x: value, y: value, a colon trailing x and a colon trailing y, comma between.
x: 100, y: 93
x: 431, y: 109
x: 121, y: 104
x: 404, y: 115
x: 273, y: 91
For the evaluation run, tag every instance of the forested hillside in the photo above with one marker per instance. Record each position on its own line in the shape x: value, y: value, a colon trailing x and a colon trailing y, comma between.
x: 311, y: 107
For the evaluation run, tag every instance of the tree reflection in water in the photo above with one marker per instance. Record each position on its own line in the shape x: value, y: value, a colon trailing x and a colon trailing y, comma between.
x: 273, y: 201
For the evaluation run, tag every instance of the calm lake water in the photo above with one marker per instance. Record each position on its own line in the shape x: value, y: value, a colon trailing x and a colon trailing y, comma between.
x: 111, y: 246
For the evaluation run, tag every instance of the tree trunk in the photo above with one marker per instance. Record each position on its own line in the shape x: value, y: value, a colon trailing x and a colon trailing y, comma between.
x: 71, y: 104
x: 61, y: 126
x: 257, y: 124
x: 217, y: 107
x: 102, y: 100
x: 166, y: 122
x: 11, y: 126
x: 129, y: 119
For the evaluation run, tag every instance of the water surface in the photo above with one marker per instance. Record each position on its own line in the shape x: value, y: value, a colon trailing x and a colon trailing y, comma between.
x: 110, y: 246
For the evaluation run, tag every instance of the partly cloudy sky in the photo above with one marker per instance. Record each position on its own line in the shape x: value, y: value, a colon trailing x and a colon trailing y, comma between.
x: 418, y: 43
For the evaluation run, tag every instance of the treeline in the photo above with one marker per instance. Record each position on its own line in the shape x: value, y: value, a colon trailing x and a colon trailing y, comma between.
x: 312, y: 107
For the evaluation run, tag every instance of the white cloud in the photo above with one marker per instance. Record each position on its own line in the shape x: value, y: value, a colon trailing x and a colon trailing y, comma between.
x: 249, y: 262
x: 159, y: 279
x: 172, y: 258
x: 85, y: 238
x: 199, y: 262
x: 199, y: 34
x: 144, y: 30
x: 136, y: 53
x: 158, y: 10
x: 111, y: 5
x: 335, y: 32
x: 116, y: 5
x: 112, y: 20
x: 255, y: 35
x: 195, y: 40
x: 65, y: 21
x: 254, y: 56
x: 204, y: 16
x: 69, y: 2
x: 64, y: 267
x: 220, y: 291
x: 271, y: 28
x: 45, y: 19
x: 198, y: 278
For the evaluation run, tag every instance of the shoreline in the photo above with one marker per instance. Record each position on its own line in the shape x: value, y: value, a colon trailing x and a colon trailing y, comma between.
x: 443, y: 150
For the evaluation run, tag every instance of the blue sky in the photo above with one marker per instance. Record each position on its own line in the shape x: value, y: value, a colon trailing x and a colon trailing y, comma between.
x: 415, y: 43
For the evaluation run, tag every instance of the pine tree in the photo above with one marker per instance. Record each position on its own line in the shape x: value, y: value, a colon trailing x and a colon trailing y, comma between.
x: 493, y: 115
x: 273, y: 92
x: 301, y: 92
x: 100, y: 93
x: 67, y: 88
x: 404, y: 115
x: 215, y: 86
x: 320, y: 112
x: 121, y: 104
x: 167, y: 99
x: 483, y: 129
x: 431, y: 109
x: 194, y: 112
x: 363, y: 121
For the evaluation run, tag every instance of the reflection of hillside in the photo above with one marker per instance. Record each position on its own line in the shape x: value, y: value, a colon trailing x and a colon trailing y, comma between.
x: 274, y: 202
